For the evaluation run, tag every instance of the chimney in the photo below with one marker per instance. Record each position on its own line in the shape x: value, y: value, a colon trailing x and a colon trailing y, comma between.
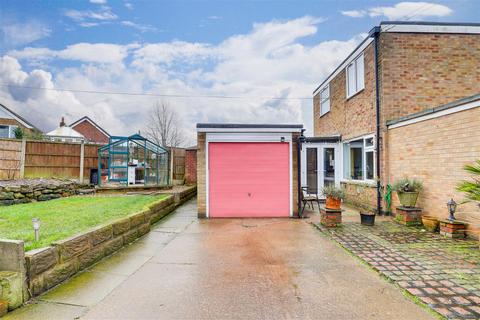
x: 62, y: 123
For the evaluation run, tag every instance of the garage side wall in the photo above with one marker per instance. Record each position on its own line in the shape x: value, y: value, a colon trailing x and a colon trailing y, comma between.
x: 435, y: 151
x: 295, y: 174
x: 201, y: 176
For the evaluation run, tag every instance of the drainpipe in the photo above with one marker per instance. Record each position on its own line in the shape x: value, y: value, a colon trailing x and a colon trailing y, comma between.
x: 300, y: 141
x: 375, y: 33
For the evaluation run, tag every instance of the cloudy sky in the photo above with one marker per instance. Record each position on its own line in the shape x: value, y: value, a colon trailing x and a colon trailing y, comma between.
x: 212, y: 61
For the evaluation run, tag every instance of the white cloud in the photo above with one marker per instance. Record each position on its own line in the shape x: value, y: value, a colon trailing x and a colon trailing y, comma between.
x: 88, y: 18
x: 128, y: 5
x: 98, y: 1
x: 403, y: 10
x: 83, y: 52
x: 139, y: 27
x: 269, y: 61
x: 214, y: 18
x: 354, y: 13
x: 16, y: 34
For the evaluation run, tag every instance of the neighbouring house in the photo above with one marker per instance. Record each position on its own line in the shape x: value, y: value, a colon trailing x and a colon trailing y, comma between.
x: 65, y: 133
x: 92, y: 132
x: 247, y: 170
x: 404, y: 103
x: 10, y: 120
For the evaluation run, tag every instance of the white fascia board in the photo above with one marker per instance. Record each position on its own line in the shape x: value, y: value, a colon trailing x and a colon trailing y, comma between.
x: 250, y: 130
x: 419, y: 28
x: 248, y: 137
x: 463, y: 107
x: 345, y: 63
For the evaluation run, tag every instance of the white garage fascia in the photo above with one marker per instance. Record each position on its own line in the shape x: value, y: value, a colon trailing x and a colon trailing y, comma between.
x: 248, y: 137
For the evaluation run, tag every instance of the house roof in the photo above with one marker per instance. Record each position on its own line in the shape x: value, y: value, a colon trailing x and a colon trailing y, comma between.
x: 460, y: 104
x: 402, y: 27
x: 65, y: 132
x: 85, y: 118
x: 17, y: 117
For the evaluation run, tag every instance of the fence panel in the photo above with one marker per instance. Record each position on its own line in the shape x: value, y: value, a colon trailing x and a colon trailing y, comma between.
x: 10, y: 154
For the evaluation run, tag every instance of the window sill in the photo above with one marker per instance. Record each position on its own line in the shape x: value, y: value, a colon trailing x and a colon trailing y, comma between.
x: 321, y: 115
x: 355, y: 94
x: 369, y: 183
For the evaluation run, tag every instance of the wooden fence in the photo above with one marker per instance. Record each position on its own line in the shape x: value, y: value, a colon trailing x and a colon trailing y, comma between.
x: 178, y: 163
x: 10, y: 158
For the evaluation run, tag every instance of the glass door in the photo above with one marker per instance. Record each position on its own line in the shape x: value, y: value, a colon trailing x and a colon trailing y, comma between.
x: 328, y: 167
x: 312, y: 170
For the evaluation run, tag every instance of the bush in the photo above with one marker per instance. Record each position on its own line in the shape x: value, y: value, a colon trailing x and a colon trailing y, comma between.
x: 334, y: 192
x: 407, y: 185
x: 471, y: 188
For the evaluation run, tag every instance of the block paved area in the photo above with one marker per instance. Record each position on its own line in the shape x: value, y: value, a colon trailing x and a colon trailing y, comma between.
x: 226, y: 269
x: 443, y: 273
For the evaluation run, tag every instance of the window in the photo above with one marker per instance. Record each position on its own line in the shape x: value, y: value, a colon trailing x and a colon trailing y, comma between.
x: 355, y: 76
x: 359, y: 159
x: 4, y: 132
x: 325, y: 100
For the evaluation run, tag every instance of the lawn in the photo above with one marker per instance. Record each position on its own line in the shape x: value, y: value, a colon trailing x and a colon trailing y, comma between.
x: 65, y: 217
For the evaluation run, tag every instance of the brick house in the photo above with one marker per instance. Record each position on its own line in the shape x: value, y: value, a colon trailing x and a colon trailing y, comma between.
x: 399, y: 72
x: 9, y: 121
x: 90, y: 130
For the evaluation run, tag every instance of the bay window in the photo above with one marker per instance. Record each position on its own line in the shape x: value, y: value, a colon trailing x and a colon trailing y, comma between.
x: 359, y: 159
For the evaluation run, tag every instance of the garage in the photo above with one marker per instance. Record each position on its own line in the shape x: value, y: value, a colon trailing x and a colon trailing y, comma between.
x: 247, y: 171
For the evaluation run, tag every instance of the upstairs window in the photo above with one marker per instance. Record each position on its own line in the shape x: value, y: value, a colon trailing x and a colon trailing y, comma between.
x: 355, y: 76
x: 325, y: 100
x: 4, y: 132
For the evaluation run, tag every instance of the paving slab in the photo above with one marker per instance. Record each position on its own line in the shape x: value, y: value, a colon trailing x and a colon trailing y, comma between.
x: 86, y: 289
x: 46, y: 311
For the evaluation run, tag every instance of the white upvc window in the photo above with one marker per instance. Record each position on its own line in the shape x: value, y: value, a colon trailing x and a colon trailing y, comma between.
x: 355, y: 76
x: 359, y: 159
x: 325, y: 100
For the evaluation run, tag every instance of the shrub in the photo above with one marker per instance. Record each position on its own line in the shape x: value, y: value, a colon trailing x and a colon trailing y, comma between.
x: 407, y: 185
x: 334, y: 192
x: 471, y: 188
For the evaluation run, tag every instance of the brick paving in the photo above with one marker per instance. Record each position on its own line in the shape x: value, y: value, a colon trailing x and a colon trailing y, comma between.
x: 443, y: 273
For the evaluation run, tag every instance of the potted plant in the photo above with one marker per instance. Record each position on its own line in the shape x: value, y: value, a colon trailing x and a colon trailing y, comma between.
x: 334, y: 197
x: 430, y: 223
x: 407, y: 191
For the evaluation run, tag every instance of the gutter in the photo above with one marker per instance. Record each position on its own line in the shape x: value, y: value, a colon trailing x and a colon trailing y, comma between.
x: 375, y: 34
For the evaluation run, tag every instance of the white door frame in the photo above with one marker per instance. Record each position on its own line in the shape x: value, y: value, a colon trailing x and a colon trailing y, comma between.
x: 320, y: 175
x: 248, y: 137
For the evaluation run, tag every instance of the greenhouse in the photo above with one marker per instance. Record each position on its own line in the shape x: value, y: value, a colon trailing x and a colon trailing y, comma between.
x: 132, y: 161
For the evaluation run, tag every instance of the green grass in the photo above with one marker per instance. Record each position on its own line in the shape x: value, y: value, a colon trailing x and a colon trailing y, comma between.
x: 62, y: 218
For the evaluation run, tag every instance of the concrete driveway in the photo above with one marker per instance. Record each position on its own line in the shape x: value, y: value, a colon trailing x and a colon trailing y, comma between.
x: 227, y: 269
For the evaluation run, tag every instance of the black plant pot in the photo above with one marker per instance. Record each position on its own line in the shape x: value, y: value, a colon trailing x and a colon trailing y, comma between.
x: 367, y: 219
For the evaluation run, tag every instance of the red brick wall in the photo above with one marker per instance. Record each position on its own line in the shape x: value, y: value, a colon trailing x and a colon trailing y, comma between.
x: 191, y: 166
x: 90, y: 132
x: 423, y: 71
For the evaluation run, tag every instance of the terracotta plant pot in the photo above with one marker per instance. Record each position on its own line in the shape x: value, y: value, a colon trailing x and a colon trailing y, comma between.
x: 430, y: 223
x: 333, y: 203
x: 407, y: 199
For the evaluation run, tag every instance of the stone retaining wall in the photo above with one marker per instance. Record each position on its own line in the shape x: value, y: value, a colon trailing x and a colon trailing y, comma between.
x: 31, y: 192
x: 47, y: 267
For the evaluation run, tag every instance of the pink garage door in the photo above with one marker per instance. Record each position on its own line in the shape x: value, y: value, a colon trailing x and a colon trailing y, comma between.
x: 249, y: 179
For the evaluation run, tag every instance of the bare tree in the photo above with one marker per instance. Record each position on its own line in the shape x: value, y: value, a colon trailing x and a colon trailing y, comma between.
x: 163, y: 126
